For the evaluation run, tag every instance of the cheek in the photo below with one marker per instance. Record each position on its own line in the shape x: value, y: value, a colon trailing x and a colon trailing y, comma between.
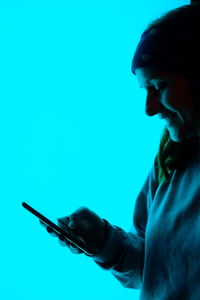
x: 171, y: 99
x: 179, y: 100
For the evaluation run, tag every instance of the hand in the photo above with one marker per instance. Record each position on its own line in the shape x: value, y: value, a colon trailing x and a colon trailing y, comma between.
x: 62, y: 241
x: 87, y: 225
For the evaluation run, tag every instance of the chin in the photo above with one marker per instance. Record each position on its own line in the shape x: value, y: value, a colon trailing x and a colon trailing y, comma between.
x: 177, y: 138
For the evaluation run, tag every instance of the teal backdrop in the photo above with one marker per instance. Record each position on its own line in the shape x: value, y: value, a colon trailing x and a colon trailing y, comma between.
x: 73, y: 133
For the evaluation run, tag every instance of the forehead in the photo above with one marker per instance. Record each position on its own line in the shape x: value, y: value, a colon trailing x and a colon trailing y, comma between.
x: 147, y: 75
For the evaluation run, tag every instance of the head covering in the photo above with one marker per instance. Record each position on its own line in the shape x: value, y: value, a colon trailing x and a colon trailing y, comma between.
x: 164, y: 50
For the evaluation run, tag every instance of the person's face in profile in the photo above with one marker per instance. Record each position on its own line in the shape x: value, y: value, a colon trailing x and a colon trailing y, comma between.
x: 169, y: 96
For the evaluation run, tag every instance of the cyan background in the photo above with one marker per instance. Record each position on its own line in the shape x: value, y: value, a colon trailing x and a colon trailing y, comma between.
x: 73, y: 133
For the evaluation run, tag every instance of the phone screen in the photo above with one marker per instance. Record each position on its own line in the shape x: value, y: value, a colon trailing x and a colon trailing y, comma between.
x: 67, y: 234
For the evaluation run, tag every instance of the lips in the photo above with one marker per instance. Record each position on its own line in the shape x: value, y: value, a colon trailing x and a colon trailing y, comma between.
x: 170, y: 118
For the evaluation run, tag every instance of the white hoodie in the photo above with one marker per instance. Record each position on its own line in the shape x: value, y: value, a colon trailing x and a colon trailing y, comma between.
x: 161, y: 253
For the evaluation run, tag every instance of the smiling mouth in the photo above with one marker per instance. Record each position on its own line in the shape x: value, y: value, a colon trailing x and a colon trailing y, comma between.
x: 169, y: 117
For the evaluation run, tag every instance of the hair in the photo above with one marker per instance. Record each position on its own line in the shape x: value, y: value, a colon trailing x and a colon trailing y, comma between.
x: 184, y: 20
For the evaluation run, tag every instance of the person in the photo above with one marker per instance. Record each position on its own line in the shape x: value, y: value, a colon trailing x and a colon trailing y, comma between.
x: 160, y: 255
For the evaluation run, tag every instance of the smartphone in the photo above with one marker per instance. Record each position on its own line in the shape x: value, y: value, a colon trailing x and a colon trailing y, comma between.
x: 67, y: 233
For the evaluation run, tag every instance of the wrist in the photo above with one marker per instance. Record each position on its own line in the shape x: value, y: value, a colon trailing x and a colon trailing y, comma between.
x: 110, y: 252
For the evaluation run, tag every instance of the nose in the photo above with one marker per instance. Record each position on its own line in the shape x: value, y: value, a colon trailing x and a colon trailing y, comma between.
x: 152, y: 104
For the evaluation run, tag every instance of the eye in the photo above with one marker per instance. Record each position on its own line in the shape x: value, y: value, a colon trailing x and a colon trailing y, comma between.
x: 161, y: 86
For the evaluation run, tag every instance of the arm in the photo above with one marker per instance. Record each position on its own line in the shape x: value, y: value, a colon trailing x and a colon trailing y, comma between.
x: 124, y: 252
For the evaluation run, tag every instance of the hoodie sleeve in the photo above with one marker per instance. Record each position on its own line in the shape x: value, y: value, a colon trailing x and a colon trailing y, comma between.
x: 123, y: 252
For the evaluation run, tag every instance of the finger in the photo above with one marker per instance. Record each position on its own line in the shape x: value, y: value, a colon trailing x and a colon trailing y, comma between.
x: 51, y: 231
x: 42, y: 224
x: 72, y: 223
x: 63, y: 222
x: 75, y: 250
x: 67, y: 222
x: 62, y: 241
